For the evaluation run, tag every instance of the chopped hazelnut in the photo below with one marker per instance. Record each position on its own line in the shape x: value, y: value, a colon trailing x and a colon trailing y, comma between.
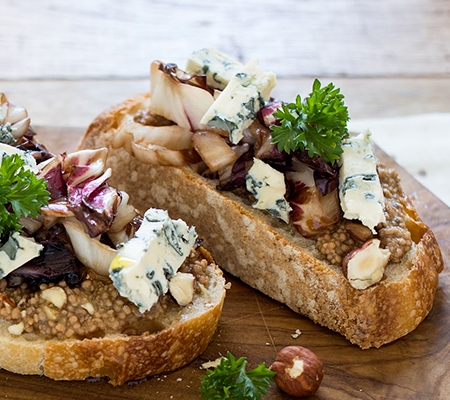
x: 181, y: 287
x: 16, y: 329
x: 55, y: 295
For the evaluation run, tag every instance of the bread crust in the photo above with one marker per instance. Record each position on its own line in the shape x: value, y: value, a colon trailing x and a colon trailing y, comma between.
x: 269, y: 255
x: 119, y: 357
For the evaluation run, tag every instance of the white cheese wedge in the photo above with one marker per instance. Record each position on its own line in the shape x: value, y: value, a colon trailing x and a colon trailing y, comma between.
x: 360, y: 191
x: 236, y: 107
x: 16, y: 251
x: 218, y: 67
x: 144, y: 265
x: 268, y: 186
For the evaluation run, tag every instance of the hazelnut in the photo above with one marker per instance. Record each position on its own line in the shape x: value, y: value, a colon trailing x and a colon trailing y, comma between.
x: 16, y: 329
x: 358, y: 231
x: 365, y: 266
x: 55, y: 295
x: 298, y: 371
x: 89, y: 308
x: 181, y: 287
x: 49, y: 313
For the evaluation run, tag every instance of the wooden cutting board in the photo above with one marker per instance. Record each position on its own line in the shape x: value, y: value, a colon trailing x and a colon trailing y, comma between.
x: 252, y: 325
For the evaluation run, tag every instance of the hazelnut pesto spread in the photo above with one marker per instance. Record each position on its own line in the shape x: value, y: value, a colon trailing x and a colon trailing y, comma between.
x: 94, y: 308
x: 295, y: 161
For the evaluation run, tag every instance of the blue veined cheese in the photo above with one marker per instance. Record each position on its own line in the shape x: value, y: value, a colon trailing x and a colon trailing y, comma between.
x: 16, y: 251
x: 253, y: 75
x: 144, y: 265
x: 218, y: 67
x: 6, y: 131
x: 268, y: 186
x: 234, y: 111
x: 236, y: 107
x: 360, y: 191
x: 30, y: 161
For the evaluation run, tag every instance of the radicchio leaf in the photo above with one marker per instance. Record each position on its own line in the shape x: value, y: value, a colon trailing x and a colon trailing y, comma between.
x: 265, y: 114
x: 52, y: 173
x: 311, y: 211
x: 264, y: 149
x: 238, y: 172
x: 78, y: 183
x: 37, y: 150
x: 55, y: 263
x: 326, y: 176
x: 183, y: 101
x: 181, y: 76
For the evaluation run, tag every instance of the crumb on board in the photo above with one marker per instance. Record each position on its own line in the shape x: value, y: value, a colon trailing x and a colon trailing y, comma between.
x: 211, y: 364
x: 297, y: 333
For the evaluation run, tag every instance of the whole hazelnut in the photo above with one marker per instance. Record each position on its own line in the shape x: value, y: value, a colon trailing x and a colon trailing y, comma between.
x: 365, y: 266
x: 299, y: 371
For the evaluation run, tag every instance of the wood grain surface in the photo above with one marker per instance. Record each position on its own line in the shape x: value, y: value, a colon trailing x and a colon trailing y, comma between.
x: 97, y: 38
x: 254, y: 326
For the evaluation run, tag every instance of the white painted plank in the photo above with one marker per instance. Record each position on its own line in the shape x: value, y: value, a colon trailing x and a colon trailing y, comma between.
x: 99, y: 38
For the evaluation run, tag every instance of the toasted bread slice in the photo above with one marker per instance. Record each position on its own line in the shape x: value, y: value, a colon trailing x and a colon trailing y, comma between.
x: 68, y: 322
x: 270, y: 255
x: 184, y: 334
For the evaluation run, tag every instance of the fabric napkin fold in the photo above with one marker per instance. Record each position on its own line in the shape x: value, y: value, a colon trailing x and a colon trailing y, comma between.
x: 419, y: 143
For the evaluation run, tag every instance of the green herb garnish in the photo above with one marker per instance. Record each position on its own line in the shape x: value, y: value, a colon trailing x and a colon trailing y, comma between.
x: 22, y: 193
x: 318, y: 124
x: 230, y: 380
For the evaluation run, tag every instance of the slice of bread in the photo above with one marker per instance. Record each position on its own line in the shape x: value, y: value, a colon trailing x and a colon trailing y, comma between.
x: 184, y: 334
x: 270, y: 255
x: 124, y: 321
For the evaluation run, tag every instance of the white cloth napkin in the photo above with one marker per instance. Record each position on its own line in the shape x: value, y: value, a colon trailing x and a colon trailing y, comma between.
x: 419, y: 143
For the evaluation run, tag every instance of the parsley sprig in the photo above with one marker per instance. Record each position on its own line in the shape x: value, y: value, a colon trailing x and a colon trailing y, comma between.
x: 22, y: 193
x: 318, y: 124
x: 230, y: 380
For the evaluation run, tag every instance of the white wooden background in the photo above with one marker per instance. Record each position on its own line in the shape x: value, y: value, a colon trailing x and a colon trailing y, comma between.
x: 116, y: 38
x: 66, y: 61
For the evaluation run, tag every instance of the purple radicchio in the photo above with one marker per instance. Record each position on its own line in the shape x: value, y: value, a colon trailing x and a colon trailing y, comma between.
x: 55, y: 263
x: 311, y: 210
x: 78, y: 184
x: 28, y: 143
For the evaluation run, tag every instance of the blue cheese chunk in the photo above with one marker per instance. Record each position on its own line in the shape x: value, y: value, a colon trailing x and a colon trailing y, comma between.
x: 30, y: 161
x: 6, y: 132
x: 144, y: 265
x: 218, y: 67
x: 360, y: 191
x: 268, y: 186
x: 236, y: 107
x: 17, y: 251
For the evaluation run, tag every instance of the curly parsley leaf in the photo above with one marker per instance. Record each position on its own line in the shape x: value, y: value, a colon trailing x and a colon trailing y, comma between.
x: 22, y: 193
x: 230, y: 380
x: 318, y: 124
